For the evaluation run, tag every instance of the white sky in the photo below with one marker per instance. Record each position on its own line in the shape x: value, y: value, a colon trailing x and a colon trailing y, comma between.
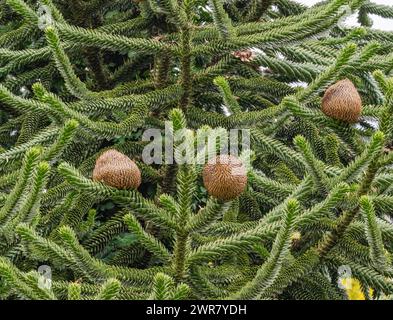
x: 379, y: 23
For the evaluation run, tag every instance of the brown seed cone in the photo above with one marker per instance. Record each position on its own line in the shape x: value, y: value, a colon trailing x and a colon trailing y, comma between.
x: 342, y: 102
x: 117, y: 170
x: 244, y: 55
x: 225, y: 177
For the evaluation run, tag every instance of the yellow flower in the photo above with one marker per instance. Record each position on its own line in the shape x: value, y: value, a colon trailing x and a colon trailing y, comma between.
x: 296, y: 235
x: 353, y: 288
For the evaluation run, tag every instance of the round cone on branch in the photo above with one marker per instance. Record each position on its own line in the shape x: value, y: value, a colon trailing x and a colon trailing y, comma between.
x: 225, y: 177
x: 117, y: 170
x: 342, y: 102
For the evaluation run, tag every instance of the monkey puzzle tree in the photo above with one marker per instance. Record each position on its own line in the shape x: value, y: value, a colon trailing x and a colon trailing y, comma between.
x: 81, y: 81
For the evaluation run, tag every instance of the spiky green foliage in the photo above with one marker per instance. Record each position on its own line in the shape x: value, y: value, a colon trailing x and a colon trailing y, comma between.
x: 78, y: 78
